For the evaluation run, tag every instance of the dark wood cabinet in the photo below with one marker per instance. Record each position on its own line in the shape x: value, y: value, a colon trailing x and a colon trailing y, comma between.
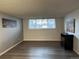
x: 67, y: 41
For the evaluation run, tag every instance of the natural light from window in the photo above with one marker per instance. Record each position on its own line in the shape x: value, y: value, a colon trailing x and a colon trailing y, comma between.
x: 42, y: 24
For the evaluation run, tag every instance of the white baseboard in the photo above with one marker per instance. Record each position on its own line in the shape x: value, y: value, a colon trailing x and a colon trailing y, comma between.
x: 41, y: 40
x: 76, y: 51
x: 10, y: 48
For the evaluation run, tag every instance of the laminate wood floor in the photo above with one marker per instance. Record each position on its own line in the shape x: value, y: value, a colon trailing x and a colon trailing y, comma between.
x: 39, y: 50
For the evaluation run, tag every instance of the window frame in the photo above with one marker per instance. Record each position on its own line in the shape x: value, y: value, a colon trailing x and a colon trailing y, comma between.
x: 54, y: 26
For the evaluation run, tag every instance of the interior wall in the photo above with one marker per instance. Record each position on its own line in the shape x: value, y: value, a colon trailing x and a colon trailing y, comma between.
x: 43, y: 34
x: 10, y: 36
x: 75, y: 15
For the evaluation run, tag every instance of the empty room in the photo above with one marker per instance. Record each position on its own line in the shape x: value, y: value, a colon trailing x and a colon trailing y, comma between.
x: 39, y: 29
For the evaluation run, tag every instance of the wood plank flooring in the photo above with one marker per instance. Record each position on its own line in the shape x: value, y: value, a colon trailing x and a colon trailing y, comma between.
x: 39, y: 50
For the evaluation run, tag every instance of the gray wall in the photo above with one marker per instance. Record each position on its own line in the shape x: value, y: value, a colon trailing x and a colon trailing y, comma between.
x: 43, y: 34
x: 10, y: 36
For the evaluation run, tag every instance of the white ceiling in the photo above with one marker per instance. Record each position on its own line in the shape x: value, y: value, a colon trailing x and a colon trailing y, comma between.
x: 56, y: 8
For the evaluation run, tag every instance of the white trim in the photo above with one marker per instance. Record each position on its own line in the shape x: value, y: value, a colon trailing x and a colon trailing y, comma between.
x: 10, y: 48
x: 76, y: 51
x: 41, y: 40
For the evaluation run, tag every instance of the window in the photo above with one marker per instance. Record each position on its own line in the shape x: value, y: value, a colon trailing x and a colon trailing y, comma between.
x: 42, y: 24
